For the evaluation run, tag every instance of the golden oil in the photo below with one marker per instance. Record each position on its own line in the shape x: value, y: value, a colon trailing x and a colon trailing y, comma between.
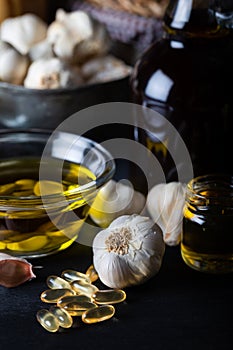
x: 29, y: 229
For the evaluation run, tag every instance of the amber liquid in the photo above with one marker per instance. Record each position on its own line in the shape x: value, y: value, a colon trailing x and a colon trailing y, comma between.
x: 207, y: 237
x: 32, y: 232
x: 195, y: 95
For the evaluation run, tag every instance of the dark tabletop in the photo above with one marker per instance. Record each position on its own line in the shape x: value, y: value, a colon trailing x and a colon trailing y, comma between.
x: 179, y: 308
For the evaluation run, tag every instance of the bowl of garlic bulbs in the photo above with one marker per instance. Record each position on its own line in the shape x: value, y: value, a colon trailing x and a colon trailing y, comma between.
x: 50, y: 71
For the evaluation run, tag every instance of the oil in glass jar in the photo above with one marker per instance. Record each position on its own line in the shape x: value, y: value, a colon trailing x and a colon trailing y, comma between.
x: 207, y: 238
x: 187, y: 76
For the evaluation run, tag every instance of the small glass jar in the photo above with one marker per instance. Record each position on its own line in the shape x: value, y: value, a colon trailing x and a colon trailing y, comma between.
x: 207, y: 238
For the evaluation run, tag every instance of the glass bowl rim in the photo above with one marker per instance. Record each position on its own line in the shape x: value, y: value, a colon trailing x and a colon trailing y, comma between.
x: 101, y: 179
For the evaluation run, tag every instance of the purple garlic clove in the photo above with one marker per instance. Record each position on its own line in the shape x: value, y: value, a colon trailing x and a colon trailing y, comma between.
x: 14, y: 271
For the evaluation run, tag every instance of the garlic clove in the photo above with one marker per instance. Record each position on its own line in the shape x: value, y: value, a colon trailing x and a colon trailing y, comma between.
x: 165, y: 204
x: 14, y: 271
x: 128, y: 252
x: 113, y: 200
x: 22, y: 32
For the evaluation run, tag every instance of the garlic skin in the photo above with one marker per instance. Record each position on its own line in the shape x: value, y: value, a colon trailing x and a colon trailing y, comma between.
x: 52, y: 74
x: 22, y: 32
x: 113, y: 200
x: 129, y: 252
x: 13, y: 65
x: 14, y: 271
x: 165, y: 204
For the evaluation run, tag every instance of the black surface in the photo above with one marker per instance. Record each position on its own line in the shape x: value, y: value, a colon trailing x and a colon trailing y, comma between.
x: 179, y: 308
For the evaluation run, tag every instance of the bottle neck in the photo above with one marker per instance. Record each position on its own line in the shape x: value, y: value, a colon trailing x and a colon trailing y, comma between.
x: 191, y: 17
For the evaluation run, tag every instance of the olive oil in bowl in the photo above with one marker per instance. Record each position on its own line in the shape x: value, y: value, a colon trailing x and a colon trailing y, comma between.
x: 41, y: 216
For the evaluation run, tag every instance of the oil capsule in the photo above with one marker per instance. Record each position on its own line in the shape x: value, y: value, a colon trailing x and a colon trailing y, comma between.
x: 47, y: 320
x: 92, y: 274
x: 76, y: 305
x: 78, y: 309
x: 99, y: 314
x: 64, y: 318
x: 83, y: 287
x: 73, y: 275
x: 53, y: 295
x: 72, y: 299
x: 111, y: 296
x: 56, y: 282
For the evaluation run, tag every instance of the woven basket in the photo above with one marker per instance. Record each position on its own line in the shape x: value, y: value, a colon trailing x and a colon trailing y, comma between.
x: 145, y: 8
x: 123, y: 25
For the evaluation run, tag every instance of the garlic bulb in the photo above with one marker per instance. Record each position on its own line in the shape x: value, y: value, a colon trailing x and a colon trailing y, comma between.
x: 13, y: 65
x: 68, y: 30
x: 78, y: 23
x: 14, y: 271
x: 113, y: 200
x: 165, y: 204
x: 43, y: 49
x: 22, y: 32
x: 128, y: 252
x: 98, y: 44
x: 51, y: 74
x: 104, y: 68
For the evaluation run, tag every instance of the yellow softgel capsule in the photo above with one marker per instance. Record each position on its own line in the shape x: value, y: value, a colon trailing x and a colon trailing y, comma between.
x: 92, y: 273
x: 76, y: 305
x: 73, y: 275
x: 53, y: 295
x: 72, y: 299
x: 78, y: 309
x: 111, y: 296
x: 47, y: 320
x: 99, y: 314
x: 64, y: 318
x: 56, y: 282
x: 82, y: 287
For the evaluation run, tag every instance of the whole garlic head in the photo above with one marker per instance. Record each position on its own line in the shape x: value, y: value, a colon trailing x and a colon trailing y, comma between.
x: 68, y: 30
x: 22, y: 32
x: 165, y: 204
x: 129, y: 252
x: 13, y: 65
x: 113, y: 200
x: 51, y: 74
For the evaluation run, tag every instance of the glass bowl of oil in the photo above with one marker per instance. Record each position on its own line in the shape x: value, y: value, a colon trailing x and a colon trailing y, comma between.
x: 48, y: 183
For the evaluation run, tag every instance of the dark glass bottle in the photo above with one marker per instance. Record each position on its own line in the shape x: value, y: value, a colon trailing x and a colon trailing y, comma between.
x: 187, y: 77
